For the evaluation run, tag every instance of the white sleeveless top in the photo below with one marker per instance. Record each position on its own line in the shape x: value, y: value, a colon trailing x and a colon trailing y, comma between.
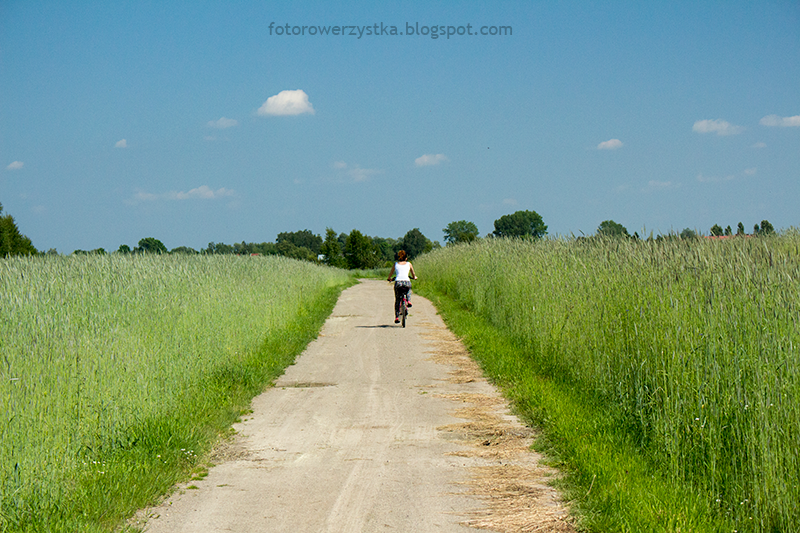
x: 402, y: 272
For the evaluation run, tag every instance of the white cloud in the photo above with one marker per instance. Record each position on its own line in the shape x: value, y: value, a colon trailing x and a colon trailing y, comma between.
x: 355, y: 172
x: 430, y: 159
x: 122, y: 143
x: 750, y: 171
x: 611, y: 144
x: 775, y: 120
x: 662, y: 185
x: 204, y: 192
x: 223, y: 123
x: 16, y: 165
x: 759, y: 145
x: 714, y: 179
x: 510, y: 201
x: 287, y: 103
x: 719, y: 126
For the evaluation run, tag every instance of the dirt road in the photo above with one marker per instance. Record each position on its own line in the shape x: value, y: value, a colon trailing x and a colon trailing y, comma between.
x: 375, y: 428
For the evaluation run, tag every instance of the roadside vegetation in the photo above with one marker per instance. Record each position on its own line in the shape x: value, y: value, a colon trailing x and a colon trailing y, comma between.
x: 663, y: 372
x: 118, y: 371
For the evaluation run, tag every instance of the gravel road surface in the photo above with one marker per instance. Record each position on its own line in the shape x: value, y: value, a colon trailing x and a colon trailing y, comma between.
x: 375, y: 428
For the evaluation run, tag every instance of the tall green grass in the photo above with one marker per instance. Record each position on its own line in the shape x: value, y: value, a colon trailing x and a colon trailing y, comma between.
x: 116, y: 372
x: 693, y: 344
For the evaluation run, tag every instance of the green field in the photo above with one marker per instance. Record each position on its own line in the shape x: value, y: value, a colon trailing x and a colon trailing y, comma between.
x: 117, y: 372
x: 664, y: 374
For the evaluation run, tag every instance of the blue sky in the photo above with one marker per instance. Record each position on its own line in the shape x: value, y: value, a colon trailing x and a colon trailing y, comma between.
x: 189, y: 122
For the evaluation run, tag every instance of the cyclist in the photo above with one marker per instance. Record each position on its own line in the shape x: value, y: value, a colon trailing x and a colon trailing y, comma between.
x: 403, y: 273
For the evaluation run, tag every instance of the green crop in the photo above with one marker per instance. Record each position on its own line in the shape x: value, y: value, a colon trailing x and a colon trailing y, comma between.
x: 115, y: 370
x: 693, y: 342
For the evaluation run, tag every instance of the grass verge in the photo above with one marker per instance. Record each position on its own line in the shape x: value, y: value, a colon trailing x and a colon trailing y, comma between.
x: 611, y: 485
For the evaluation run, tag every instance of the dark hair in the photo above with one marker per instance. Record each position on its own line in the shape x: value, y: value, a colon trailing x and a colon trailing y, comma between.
x: 401, y: 255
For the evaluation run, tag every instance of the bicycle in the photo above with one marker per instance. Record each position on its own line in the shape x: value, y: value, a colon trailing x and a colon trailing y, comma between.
x: 404, y: 305
x: 404, y: 309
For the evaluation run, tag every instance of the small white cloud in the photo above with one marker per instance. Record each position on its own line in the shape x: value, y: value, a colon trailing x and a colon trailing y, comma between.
x: 355, y: 172
x: 785, y: 122
x: 510, y: 201
x: 223, y: 123
x: 719, y: 126
x: 611, y: 144
x: 759, y: 145
x: 662, y: 185
x: 750, y: 171
x: 430, y: 159
x: 287, y: 103
x: 122, y: 143
x: 714, y: 179
x: 16, y: 165
x: 204, y: 192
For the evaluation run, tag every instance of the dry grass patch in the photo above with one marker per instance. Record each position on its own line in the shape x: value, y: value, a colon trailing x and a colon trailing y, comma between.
x: 510, y: 478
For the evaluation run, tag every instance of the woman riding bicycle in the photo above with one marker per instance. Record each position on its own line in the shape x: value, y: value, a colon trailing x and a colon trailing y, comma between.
x: 403, y: 273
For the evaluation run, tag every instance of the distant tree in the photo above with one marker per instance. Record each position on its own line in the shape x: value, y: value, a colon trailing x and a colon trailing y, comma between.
x: 288, y: 249
x: 716, y: 230
x: 609, y: 228
x: 151, y: 245
x: 755, y: 229
x: 360, y: 252
x: 12, y: 242
x: 728, y: 231
x: 386, y: 248
x: 415, y: 243
x: 766, y: 228
x: 332, y: 250
x: 52, y: 251
x: 301, y: 239
x: 740, y: 229
x: 183, y: 250
x: 520, y: 224
x: 460, y: 231
x: 124, y: 249
x: 688, y: 233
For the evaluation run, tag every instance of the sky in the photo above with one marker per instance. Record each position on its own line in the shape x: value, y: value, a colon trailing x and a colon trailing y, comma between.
x: 198, y: 122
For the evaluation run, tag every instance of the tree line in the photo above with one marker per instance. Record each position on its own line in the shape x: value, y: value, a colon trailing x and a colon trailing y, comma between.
x: 356, y: 250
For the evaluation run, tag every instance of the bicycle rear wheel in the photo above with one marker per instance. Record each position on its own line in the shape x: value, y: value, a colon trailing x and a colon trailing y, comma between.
x: 403, y: 312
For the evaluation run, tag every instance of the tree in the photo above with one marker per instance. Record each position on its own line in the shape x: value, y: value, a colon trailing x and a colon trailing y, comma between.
x: 609, y: 228
x: 766, y: 228
x: 124, y: 249
x: 183, y: 250
x: 301, y: 239
x: 386, y: 247
x: 415, y: 243
x: 359, y: 251
x: 716, y: 230
x: 288, y: 249
x: 12, y: 242
x: 520, y: 224
x: 151, y: 245
x: 728, y: 231
x: 332, y: 250
x: 740, y: 229
x: 460, y: 231
x: 688, y: 233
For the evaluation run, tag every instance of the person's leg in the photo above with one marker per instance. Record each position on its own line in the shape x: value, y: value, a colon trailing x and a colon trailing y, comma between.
x: 398, y: 296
